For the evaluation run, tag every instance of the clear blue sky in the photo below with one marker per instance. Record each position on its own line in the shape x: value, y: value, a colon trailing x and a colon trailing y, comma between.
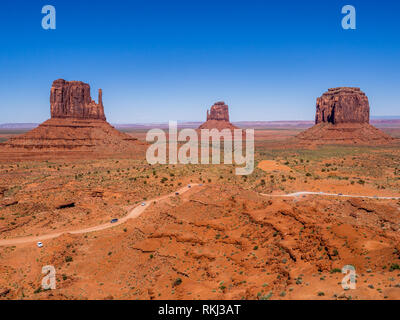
x: 170, y: 60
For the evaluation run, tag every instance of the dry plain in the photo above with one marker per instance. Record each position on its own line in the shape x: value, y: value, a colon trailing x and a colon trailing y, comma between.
x: 225, y: 238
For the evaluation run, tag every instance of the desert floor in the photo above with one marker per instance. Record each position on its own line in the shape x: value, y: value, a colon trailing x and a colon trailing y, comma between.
x: 227, y: 237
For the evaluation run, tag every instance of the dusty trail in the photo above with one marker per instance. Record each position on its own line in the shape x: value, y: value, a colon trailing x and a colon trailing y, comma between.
x: 137, y: 211
x: 301, y: 193
x: 134, y: 213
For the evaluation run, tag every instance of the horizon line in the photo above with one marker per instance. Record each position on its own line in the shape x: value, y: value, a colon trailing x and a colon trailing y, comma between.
x: 200, y: 121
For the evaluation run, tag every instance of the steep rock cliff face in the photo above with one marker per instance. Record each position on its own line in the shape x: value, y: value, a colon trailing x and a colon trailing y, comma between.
x: 342, y: 117
x: 71, y: 99
x: 77, y: 124
x: 219, y: 111
x: 342, y: 105
x: 218, y: 118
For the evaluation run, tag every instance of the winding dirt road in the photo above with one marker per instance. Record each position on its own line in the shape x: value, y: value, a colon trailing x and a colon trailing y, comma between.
x: 134, y: 213
x: 137, y: 211
x: 303, y: 193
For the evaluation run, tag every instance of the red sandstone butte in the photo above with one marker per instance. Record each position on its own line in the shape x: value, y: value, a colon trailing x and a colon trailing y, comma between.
x: 77, y: 124
x: 71, y: 99
x: 342, y: 105
x: 218, y: 118
x: 219, y: 111
x: 342, y: 117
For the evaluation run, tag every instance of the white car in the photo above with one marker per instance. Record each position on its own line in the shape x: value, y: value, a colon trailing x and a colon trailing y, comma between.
x: 39, y: 244
x: 143, y: 204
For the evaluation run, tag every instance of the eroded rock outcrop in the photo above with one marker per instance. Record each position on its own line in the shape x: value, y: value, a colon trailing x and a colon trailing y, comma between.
x: 77, y: 124
x: 218, y: 117
x: 342, y: 105
x: 71, y: 99
x: 219, y: 111
x: 342, y: 117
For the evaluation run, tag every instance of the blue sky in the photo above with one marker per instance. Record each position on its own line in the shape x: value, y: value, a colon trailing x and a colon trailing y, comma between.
x: 170, y: 60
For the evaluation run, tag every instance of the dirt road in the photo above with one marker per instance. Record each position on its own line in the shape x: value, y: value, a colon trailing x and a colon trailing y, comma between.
x: 137, y: 211
x: 134, y: 213
x: 303, y: 193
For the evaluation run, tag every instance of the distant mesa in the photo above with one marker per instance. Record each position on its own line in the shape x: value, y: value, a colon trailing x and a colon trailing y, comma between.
x: 342, y: 117
x: 77, y: 124
x: 218, y: 118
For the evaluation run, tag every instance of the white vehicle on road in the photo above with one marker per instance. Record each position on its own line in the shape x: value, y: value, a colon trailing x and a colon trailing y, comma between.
x: 39, y: 244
